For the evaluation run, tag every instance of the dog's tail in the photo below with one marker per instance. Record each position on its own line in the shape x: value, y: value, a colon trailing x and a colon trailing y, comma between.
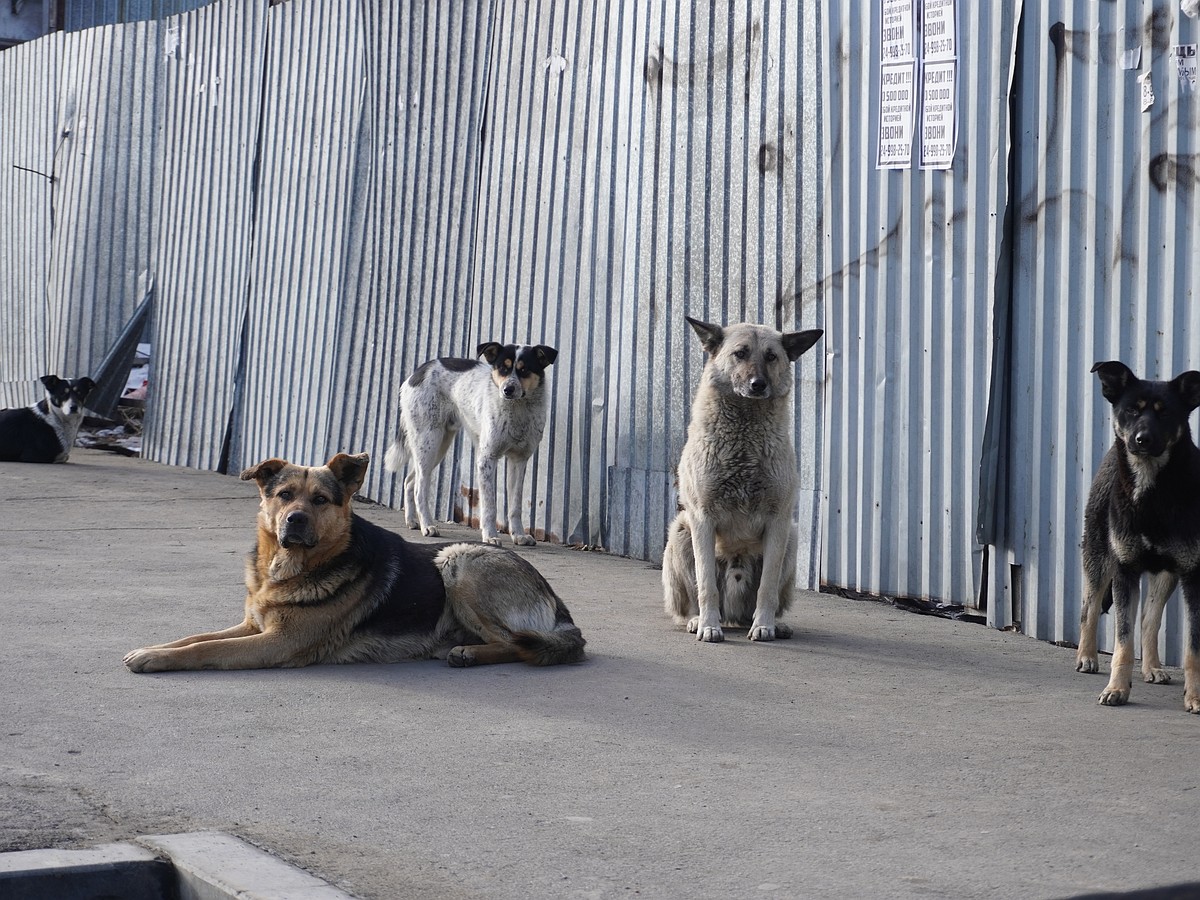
x: 550, y: 648
x: 396, y: 457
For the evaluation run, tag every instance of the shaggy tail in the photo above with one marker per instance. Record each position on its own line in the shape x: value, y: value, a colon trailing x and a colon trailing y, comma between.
x: 396, y: 457
x: 550, y: 648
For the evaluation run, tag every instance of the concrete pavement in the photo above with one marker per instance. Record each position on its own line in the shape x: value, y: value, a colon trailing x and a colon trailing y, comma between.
x: 878, y: 753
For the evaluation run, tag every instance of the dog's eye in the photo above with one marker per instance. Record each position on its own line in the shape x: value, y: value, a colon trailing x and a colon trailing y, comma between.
x: 285, y: 495
x: 741, y: 353
x: 771, y: 357
x: 319, y: 500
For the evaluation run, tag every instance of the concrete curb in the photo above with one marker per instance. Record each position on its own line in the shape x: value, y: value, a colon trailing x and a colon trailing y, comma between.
x: 203, y: 865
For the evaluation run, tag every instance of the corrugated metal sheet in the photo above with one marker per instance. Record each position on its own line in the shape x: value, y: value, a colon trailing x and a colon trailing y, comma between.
x: 29, y: 76
x: 210, y: 69
x: 310, y: 116
x: 80, y: 14
x: 81, y: 241
x: 720, y: 223
x: 1104, y: 216
x: 410, y: 287
x: 911, y: 263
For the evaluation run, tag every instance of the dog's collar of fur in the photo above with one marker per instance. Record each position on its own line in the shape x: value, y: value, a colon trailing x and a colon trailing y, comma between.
x: 65, y: 427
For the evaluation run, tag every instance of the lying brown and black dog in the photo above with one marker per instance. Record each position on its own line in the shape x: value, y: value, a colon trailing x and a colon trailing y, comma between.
x: 326, y: 586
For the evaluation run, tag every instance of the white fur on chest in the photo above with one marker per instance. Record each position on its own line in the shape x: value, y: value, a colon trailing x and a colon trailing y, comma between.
x: 739, y: 460
x: 65, y: 427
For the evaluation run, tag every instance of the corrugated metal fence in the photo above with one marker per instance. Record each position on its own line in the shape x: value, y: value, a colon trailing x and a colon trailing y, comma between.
x: 1103, y: 232
x: 328, y: 194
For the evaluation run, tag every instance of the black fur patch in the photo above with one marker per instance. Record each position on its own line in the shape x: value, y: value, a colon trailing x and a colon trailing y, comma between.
x: 415, y: 596
x: 454, y: 364
x: 417, y: 377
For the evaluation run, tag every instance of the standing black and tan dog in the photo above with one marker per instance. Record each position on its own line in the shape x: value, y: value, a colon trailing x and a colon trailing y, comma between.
x: 46, y: 431
x: 502, y: 404
x: 326, y: 586
x: 731, y: 552
x: 1143, y: 515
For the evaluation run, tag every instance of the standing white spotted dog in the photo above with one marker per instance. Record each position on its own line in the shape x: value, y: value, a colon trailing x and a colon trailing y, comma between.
x: 502, y: 403
x: 730, y: 557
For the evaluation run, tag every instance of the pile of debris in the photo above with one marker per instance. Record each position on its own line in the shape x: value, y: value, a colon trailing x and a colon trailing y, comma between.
x: 122, y: 434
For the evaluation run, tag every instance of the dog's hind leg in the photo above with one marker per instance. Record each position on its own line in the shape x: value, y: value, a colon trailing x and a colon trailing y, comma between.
x: 428, y: 451
x: 1125, y: 585
x: 410, y: 499
x: 483, y: 654
x: 1191, y: 653
x: 679, y: 576
x: 1162, y: 586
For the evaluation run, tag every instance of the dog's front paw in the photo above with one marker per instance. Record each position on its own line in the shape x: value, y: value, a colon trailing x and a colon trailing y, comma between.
x: 1191, y: 702
x: 493, y: 539
x: 1114, y: 696
x: 524, y: 540
x: 710, y: 634
x: 144, y: 660
x: 1087, y: 664
x: 761, y: 633
x: 693, y: 624
x: 1155, y: 675
x: 461, y: 657
x: 430, y: 531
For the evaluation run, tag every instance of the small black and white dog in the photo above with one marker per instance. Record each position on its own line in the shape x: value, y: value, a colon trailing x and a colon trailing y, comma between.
x: 502, y: 403
x: 45, y: 432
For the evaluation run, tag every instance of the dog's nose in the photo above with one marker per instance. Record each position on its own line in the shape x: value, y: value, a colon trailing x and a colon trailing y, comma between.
x: 510, y: 390
x: 1141, y: 438
x: 758, y: 385
x: 295, y: 517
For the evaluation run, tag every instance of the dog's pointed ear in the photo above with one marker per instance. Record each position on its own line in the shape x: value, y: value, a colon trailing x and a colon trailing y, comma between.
x: 1115, y: 377
x: 711, y: 335
x: 797, y: 342
x: 1188, y: 387
x: 85, y: 385
x: 264, y: 471
x: 546, y: 355
x: 489, y: 351
x: 50, y: 382
x: 349, y: 470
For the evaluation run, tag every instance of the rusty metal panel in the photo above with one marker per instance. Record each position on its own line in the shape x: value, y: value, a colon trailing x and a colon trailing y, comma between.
x: 1105, y: 210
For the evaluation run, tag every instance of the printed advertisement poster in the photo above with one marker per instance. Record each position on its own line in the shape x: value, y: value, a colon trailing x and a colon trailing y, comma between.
x: 897, y: 101
x: 939, y: 114
x: 899, y: 32
x: 939, y: 36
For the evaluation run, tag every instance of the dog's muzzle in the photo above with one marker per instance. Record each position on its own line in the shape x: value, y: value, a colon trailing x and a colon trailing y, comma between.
x: 297, y: 531
x: 1146, y: 443
x: 512, y: 388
